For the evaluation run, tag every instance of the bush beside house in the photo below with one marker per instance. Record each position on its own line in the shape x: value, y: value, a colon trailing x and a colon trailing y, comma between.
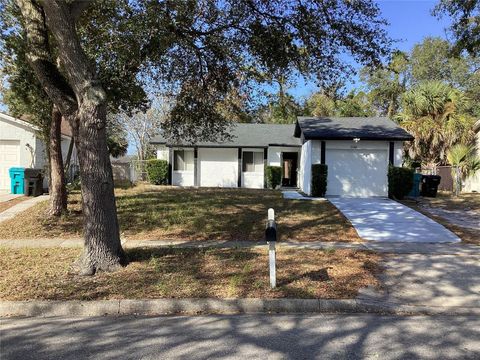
x: 400, y: 182
x: 157, y: 171
x: 319, y: 179
x: 274, y: 176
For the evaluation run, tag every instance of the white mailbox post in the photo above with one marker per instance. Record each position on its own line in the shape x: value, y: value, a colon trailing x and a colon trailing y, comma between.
x: 271, y: 238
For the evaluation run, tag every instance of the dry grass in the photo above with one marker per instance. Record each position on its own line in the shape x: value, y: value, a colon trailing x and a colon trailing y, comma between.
x: 447, y: 201
x: 8, y: 204
x: 168, y: 213
x: 189, y: 273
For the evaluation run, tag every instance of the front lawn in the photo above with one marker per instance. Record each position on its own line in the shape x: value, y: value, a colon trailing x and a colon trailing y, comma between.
x: 29, y: 274
x: 168, y: 213
x: 446, y: 209
x: 446, y: 200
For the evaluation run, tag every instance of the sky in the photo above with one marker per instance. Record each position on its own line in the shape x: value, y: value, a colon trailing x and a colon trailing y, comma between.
x: 410, y: 22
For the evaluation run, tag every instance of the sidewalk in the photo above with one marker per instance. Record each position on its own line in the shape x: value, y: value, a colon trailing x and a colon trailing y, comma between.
x: 24, y: 205
x: 382, y: 247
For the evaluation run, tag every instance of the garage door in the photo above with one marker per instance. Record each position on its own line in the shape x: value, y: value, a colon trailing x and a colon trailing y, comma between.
x: 9, y: 157
x: 218, y: 167
x: 358, y: 173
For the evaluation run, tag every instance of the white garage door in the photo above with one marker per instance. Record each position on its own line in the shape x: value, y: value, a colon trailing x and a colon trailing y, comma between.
x: 218, y: 167
x: 9, y: 157
x: 358, y: 173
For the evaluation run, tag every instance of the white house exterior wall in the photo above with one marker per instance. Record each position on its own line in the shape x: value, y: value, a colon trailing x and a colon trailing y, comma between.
x: 253, y: 180
x: 305, y: 169
x: 472, y: 183
x: 311, y: 154
x: 15, y: 132
x: 275, y: 154
x: 218, y: 167
x: 183, y: 178
x: 25, y: 135
x: 398, y: 153
x: 162, y: 152
x: 362, y: 169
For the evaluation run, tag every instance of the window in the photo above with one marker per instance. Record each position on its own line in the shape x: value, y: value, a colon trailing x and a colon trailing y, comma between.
x: 183, y: 160
x: 252, y: 161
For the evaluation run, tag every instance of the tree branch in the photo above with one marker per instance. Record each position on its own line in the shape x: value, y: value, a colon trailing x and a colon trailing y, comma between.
x: 78, y: 7
x: 40, y: 58
x: 77, y: 67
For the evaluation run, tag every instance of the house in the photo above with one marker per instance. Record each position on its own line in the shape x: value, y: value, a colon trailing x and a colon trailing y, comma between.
x: 472, y: 183
x: 356, y: 150
x: 20, y: 146
x: 239, y: 162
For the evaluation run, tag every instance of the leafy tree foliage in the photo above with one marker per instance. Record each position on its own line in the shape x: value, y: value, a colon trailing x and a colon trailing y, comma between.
x: 354, y: 104
x: 465, y: 27
x: 464, y: 161
x: 282, y: 109
x: 387, y: 83
x: 434, y: 112
x: 431, y: 60
x: 213, y: 48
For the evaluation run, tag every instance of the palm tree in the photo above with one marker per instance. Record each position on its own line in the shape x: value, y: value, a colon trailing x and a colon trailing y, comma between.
x: 464, y: 162
x: 434, y: 113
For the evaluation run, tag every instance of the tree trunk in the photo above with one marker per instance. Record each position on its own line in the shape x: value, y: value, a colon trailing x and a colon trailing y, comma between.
x: 69, y: 158
x: 102, y: 250
x: 58, y: 192
x: 79, y: 96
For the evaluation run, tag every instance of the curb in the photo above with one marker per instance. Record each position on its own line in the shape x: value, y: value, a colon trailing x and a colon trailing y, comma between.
x: 219, y: 306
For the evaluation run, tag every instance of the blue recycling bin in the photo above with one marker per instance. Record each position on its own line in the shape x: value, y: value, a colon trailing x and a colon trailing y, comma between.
x: 417, y: 180
x: 17, y: 180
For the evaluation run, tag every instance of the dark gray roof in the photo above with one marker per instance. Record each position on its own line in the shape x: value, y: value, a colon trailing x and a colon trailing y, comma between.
x: 347, y: 128
x: 248, y: 135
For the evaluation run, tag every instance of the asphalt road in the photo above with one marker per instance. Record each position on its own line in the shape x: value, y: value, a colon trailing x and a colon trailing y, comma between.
x: 242, y: 337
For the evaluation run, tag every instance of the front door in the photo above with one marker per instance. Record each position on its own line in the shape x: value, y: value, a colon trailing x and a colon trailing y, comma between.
x: 289, y: 168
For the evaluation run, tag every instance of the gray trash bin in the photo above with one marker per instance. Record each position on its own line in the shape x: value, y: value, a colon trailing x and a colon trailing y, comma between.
x: 33, y: 185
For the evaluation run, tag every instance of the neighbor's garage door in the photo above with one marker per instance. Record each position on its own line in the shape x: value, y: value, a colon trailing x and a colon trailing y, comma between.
x: 9, y: 157
x: 355, y: 172
x: 218, y: 167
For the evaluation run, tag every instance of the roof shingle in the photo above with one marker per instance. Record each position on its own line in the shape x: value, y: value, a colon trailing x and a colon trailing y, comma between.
x: 348, y: 128
x: 247, y: 135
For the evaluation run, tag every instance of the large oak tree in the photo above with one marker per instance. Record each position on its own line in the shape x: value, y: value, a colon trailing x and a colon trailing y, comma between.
x: 197, y: 51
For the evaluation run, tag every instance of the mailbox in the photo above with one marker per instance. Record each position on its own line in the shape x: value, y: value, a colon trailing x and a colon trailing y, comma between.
x: 271, y: 231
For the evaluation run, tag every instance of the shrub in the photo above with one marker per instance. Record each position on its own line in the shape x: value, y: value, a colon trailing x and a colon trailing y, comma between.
x: 274, y: 176
x: 157, y: 171
x: 400, y: 182
x: 319, y: 179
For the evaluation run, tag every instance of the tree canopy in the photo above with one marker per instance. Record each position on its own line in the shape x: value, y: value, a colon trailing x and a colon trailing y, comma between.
x: 465, y: 23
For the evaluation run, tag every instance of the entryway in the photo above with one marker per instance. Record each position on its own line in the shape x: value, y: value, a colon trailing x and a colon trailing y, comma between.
x: 289, y: 169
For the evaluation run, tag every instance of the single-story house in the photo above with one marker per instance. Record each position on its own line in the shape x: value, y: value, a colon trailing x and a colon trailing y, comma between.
x: 357, y: 151
x: 20, y: 146
x: 472, y: 183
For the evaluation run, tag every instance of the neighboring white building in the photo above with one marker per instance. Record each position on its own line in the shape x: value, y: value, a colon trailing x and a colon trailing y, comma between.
x: 356, y: 150
x: 20, y: 146
x: 472, y: 183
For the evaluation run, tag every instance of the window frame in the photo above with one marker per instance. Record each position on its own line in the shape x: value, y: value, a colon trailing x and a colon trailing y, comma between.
x: 257, y: 162
x: 184, y: 158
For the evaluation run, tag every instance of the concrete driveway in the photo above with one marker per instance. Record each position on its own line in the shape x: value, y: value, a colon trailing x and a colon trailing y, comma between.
x: 381, y: 219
